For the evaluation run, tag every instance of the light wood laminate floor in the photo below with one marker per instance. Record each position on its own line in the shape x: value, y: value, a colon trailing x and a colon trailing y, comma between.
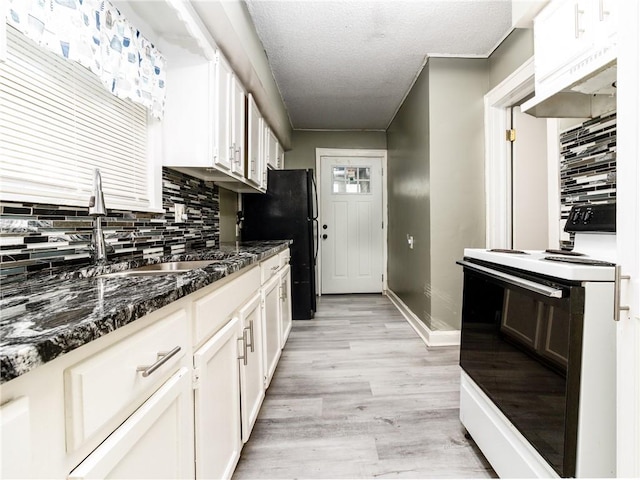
x: 357, y: 394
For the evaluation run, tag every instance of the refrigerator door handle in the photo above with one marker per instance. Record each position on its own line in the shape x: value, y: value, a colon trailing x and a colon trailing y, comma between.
x: 314, y: 214
x: 317, y: 235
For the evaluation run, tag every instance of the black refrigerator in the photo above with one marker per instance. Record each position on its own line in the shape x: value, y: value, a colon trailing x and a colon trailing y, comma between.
x: 288, y: 211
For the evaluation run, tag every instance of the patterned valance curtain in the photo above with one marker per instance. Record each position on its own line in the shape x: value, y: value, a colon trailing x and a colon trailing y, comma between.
x: 96, y: 35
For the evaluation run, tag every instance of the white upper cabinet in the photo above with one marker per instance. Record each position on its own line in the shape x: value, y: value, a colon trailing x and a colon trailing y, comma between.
x: 255, y: 163
x: 224, y: 154
x: 237, y: 134
x: 573, y: 39
x: 273, y: 155
x: 279, y: 156
x: 205, y: 128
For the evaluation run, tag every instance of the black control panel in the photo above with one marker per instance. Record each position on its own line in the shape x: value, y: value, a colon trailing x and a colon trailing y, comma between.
x: 592, y: 218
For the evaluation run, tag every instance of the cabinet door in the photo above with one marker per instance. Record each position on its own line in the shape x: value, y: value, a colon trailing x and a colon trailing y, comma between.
x: 238, y: 114
x: 273, y: 150
x: 279, y: 156
x: 607, y: 19
x: 285, y: 304
x: 223, y: 152
x: 254, y: 136
x: 562, y: 32
x: 271, y: 326
x: 264, y: 154
x: 155, y: 442
x: 188, y: 125
x: 251, y: 371
x: 217, y: 404
x: 15, y: 453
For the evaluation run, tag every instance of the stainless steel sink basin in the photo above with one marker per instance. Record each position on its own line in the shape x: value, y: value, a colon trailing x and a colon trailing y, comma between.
x: 161, y: 268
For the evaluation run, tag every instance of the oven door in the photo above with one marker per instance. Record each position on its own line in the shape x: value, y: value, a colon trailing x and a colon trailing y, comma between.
x: 521, y: 344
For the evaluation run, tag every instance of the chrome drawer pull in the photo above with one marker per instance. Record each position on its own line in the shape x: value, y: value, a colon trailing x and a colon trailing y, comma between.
x: 163, y: 357
x: 243, y: 357
x: 250, y: 328
x: 513, y: 280
x: 617, y: 308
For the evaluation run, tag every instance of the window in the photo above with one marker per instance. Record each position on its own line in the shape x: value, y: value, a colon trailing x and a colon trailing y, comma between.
x: 348, y: 179
x: 57, y: 124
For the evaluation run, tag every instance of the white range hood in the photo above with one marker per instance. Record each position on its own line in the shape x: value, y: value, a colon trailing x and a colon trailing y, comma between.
x: 587, y: 97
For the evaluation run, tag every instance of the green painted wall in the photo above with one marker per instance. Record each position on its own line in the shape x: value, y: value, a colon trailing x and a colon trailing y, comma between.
x: 305, y: 142
x: 456, y: 115
x: 512, y: 52
x: 409, y: 199
x: 436, y: 178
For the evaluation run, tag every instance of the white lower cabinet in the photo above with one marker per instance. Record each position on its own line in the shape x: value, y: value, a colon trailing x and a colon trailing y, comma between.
x: 251, y: 371
x: 154, y: 442
x: 217, y: 404
x: 271, y: 326
x: 285, y: 304
x: 15, y: 439
x: 172, y: 395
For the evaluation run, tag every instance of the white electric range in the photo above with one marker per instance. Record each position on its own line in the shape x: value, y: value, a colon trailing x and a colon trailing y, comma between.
x: 538, y: 353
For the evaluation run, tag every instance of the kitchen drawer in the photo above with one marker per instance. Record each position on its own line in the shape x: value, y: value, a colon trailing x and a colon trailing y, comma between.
x: 108, y: 387
x: 284, y: 257
x: 269, y: 267
x: 214, y: 310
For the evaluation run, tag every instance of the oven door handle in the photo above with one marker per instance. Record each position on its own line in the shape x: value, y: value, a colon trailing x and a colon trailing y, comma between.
x: 513, y: 280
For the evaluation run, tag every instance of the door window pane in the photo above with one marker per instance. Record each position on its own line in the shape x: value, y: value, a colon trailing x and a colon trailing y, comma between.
x: 351, y: 180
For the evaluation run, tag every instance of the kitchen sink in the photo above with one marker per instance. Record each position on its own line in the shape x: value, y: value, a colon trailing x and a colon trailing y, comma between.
x: 161, y: 269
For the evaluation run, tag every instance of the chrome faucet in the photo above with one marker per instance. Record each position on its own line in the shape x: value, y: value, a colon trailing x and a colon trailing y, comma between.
x: 97, y: 209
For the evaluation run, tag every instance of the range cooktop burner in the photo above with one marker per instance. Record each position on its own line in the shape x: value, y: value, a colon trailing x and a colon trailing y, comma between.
x: 581, y: 261
x: 564, y: 252
x: 507, y: 250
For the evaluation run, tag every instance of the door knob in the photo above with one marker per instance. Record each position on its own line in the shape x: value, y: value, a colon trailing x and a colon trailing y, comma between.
x: 324, y: 237
x: 324, y: 227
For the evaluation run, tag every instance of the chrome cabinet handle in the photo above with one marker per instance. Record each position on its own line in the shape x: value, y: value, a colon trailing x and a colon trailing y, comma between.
x: 602, y: 12
x: 577, y: 13
x: 513, y: 280
x: 163, y: 357
x: 250, y: 328
x: 243, y: 357
x: 617, y: 291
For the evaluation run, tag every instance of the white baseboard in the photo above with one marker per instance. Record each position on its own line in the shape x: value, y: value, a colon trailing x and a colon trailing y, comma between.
x: 432, y: 338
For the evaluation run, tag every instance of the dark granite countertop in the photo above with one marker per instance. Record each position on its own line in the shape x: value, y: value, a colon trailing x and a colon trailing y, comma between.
x: 45, y: 316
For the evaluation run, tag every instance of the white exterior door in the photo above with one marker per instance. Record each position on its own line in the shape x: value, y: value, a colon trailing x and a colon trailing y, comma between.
x: 351, y: 224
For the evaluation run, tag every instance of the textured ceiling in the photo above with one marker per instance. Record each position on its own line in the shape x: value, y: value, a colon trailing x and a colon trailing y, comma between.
x: 349, y: 64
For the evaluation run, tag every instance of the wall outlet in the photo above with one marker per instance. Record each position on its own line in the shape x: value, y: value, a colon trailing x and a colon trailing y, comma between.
x: 410, y: 241
x: 180, y: 212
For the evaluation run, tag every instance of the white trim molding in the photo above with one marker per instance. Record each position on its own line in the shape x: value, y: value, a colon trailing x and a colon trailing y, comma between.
x: 354, y: 152
x: 431, y: 338
x: 497, y: 166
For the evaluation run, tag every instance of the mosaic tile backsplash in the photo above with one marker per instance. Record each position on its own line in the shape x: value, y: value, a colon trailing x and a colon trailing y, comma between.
x: 588, y: 165
x: 37, y: 237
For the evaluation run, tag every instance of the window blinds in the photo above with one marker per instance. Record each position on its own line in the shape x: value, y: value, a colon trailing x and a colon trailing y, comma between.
x: 57, y: 124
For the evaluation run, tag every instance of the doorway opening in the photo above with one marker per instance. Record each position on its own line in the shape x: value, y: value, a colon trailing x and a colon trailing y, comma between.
x: 521, y: 176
